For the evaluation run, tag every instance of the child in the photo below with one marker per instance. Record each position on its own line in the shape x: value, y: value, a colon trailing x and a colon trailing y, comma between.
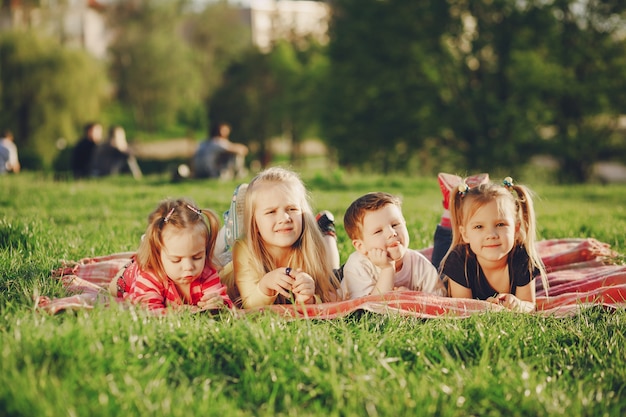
x: 493, y: 255
x: 283, y: 256
x: 382, y: 261
x: 173, y: 265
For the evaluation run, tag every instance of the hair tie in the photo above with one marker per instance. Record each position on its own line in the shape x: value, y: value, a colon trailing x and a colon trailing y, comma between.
x: 203, y: 216
x: 168, y: 215
x: 463, y: 189
x: 194, y: 209
x: 508, y: 182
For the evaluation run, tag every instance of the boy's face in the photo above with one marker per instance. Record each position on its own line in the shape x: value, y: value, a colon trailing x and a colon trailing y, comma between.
x: 384, y: 229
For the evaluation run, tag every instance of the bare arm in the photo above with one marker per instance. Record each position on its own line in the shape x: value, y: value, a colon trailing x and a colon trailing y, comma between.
x: 457, y: 290
x: 385, y: 283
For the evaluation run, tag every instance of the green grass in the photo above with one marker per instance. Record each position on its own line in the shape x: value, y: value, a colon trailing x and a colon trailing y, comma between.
x: 113, y: 361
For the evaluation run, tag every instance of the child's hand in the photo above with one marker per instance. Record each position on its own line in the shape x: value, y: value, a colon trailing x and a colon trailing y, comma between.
x: 277, y: 281
x: 303, y: 287
x: 211, y: 300
x: 511, y: 302
x: 380, y: 258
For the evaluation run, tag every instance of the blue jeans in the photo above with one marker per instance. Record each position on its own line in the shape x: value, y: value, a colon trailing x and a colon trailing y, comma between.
x: 442, y: 242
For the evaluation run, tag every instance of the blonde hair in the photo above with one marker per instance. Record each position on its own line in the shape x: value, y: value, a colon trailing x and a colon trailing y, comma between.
x: 182, y: 214
x: 464, y: 203
x: 308, y: 252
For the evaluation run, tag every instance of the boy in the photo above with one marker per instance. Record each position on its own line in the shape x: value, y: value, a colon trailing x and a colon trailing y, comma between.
x: 382, y: 261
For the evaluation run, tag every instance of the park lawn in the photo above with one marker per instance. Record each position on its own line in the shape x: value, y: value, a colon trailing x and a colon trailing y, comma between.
x: 114, y: 361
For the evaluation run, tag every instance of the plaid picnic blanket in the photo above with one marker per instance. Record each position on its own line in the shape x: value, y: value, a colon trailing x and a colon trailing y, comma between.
x: 581, y: 273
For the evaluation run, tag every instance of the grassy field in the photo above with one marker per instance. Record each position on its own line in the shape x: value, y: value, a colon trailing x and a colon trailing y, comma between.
x: 111, y: 361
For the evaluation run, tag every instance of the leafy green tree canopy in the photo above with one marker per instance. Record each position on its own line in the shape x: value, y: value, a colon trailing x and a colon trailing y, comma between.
x: 476, y: 84
x: 47, y: 91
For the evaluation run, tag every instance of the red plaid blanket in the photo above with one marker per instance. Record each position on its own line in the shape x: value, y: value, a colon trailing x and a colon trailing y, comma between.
x: 581, y: 272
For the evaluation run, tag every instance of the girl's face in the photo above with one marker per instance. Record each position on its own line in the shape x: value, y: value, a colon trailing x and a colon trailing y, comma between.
x: 278, y: 215
x: 183, y: 254
x: 490, y: 232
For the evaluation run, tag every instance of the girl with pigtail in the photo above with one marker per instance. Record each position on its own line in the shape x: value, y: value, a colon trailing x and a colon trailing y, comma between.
x: 493, y: 255
x: 173, y: 267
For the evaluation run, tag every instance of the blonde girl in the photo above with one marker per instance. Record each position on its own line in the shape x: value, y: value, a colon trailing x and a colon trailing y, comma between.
x: 493, y: 255
x: 283, y: 256
x: 173, y: 265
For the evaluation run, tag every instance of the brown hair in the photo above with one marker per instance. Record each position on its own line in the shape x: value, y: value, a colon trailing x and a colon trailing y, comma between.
x: 353, y: 219
x: 182, y: 214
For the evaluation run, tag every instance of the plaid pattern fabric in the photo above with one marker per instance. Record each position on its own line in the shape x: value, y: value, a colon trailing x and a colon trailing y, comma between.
x: 581, y: 273
x: 99, y: 270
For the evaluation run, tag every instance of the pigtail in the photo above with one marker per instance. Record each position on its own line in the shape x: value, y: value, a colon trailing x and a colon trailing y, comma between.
x: 528, y: 229
x: 213, y: 226
x: 456, y: 219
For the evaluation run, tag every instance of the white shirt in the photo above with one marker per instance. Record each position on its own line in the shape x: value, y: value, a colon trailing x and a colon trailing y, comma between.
x: 360, y: 275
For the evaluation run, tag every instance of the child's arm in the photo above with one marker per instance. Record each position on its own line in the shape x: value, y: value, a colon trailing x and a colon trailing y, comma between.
x: 523, y: 300
x: 255, y: 293
x: 213, y: 292
x: 211, y: 300
x: 278, y: 281
x: 303, y: 287
x: 148, y: 292
x: 457, y: 290
x: 380, y: 258
x: 358, y: 276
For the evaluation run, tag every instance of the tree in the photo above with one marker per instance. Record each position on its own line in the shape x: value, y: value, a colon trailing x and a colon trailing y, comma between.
x: 153, y: 68
x: 300, y: 69
x: 476, y: 82
x: 385, y: 80
x: 218, y: 37
x: 244, y: 100
x: 47, y: 92
x: 271, y: 94
x: 588, y: 47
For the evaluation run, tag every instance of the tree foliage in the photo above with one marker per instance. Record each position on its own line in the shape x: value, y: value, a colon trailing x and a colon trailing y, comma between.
x: 217, y: 37
x: 152, y: 67
x: 46, y: 91
x: 166, y: 60
x: 476, y: 83
x: 384, y: 80
x: 278, y: 93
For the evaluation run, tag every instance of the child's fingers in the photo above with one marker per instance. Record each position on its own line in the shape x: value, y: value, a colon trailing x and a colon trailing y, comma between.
x: 493, y: 300
x: 209, y: 295
x: 281, y: 282
x: 211, y: 300
x: 306, y: 286
x: 508, y: 300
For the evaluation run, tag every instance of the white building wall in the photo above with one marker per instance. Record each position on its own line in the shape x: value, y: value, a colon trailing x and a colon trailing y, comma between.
x: 271, y: 20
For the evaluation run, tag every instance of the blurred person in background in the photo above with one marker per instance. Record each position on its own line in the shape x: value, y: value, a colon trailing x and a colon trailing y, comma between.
x: 218, y: 157
x: 114, y: 156
x: 84, y: 150
x: 9, y: 161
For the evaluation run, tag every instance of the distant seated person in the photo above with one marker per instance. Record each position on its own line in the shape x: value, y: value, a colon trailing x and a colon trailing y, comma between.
x: 218, y: 157
x: 114, y: 157
x: 84, y: 150
x: 9, y: 161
